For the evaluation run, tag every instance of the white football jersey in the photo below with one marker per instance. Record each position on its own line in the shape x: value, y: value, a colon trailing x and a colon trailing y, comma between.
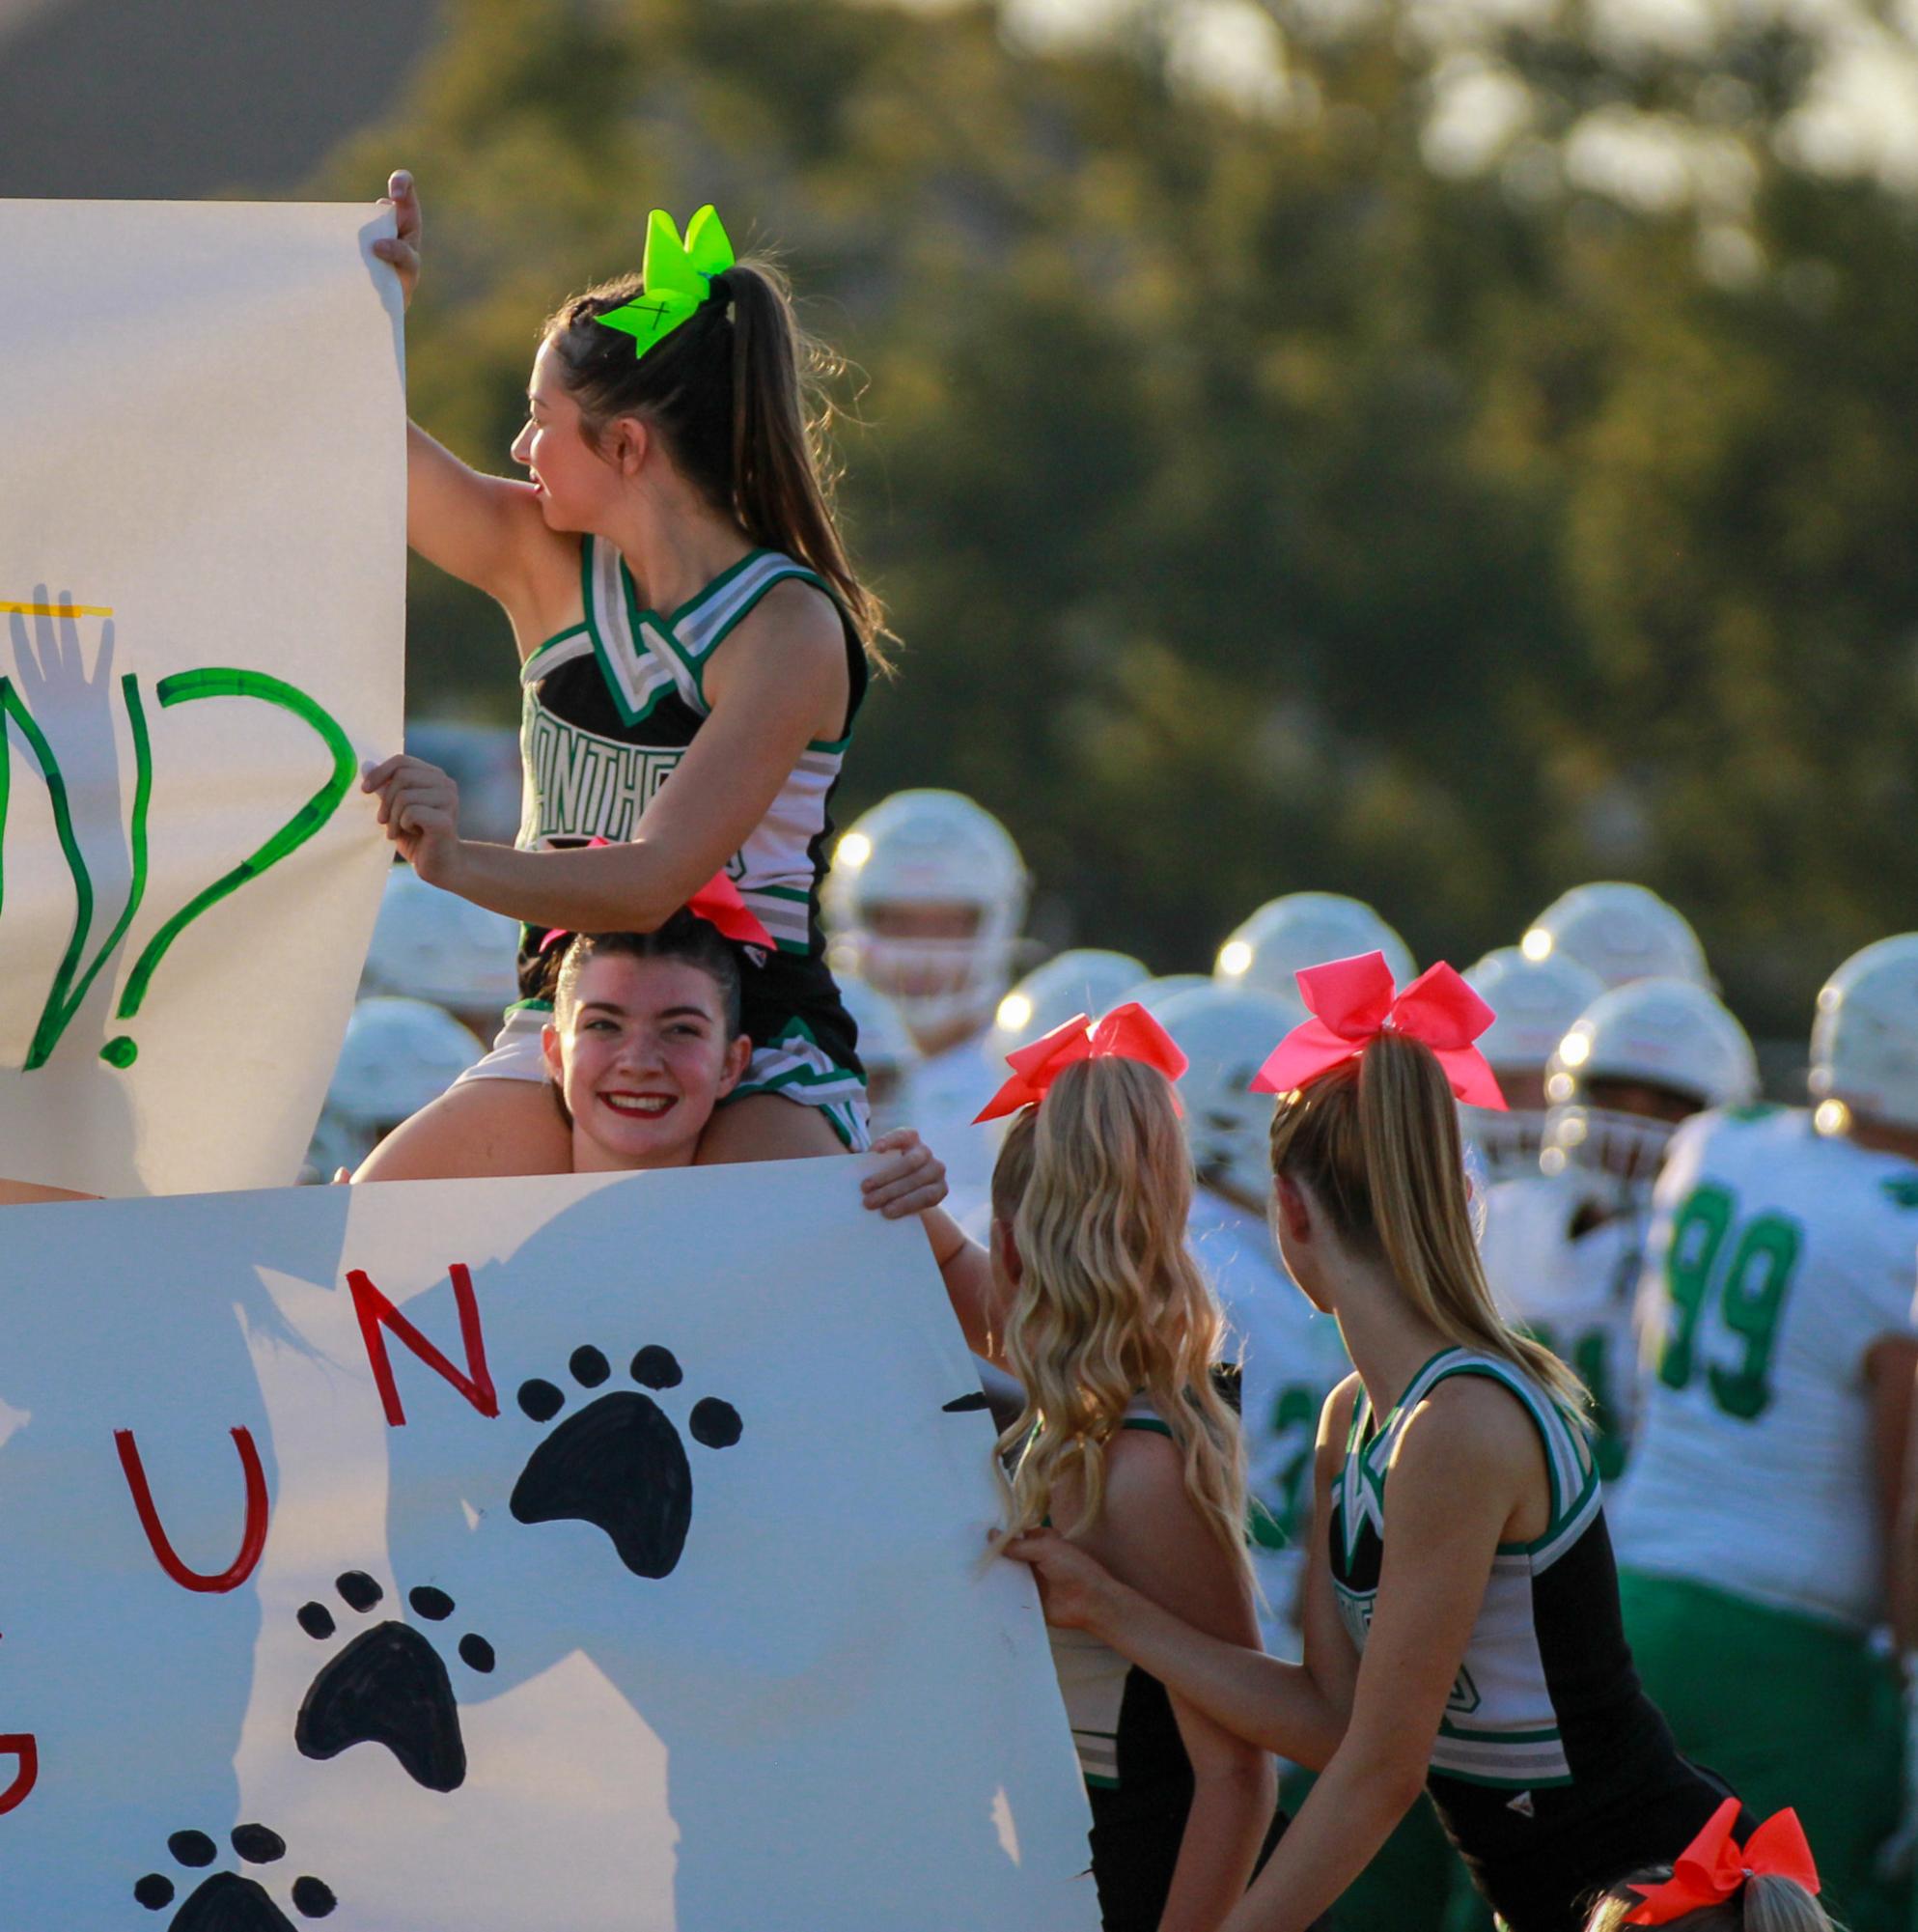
x: 1290, y: 1358
x: 947, y: 1091
x: 1561, y: 1274
x: 1777, y: 1257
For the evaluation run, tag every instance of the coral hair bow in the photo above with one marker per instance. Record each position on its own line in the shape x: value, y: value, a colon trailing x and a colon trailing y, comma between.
x: 717, y: 902
x: 1352, y: 1001
x: 1128, y: 1032
x: 1712, y: 1867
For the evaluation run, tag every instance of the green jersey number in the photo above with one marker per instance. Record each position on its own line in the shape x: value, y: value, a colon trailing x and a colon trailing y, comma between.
x: 1738, y: 1284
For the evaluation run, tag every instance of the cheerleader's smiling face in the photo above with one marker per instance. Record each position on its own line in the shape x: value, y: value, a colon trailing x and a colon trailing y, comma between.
x: 641, y: 1052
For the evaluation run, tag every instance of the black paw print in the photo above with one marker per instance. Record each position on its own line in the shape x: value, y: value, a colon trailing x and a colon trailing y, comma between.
x: 619, y: 1462
x: 388, y: 1686
x: 227, y: 1902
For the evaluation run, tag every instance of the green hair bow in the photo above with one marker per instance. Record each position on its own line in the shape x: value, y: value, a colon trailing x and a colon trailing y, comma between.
x: 677, y: 276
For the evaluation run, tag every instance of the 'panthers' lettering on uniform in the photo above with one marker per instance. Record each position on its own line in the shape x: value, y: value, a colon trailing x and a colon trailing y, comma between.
x: 610, y: 708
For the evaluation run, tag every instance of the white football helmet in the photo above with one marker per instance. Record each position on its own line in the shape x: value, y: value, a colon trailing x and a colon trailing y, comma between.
x: 1666, y: 1033
x: 1227, y: 1032
x: 1083, y: 979
x: 1154, y: 993
x: 887, y: 1052
x: 435, y: 946
x: 1620, y: 932
x: 1536, y: 1001
x: 912, y: 853
x: 1307, y: 929
x: 397, y: 1055
x: 1864, y: 1038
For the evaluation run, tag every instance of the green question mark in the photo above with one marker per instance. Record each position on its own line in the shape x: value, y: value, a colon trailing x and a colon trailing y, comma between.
x: 182, y: 688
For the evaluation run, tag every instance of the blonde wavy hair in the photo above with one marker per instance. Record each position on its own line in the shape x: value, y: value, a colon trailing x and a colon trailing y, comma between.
x: 1095, y: 1183
x: 1768, y: 1904
x: 1376, y: 1142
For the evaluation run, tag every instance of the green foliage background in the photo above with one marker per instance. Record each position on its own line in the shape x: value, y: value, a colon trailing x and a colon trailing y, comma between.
x: 1260, y: 509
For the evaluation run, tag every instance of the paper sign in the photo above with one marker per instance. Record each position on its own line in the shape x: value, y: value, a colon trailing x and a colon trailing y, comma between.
x: 579, y: 1552
x: 202, y: 588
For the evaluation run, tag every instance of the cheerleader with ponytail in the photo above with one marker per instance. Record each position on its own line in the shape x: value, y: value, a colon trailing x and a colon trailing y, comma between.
x: 685, y: 611
x: 1767, y: 1884
x: 1462, y: 1633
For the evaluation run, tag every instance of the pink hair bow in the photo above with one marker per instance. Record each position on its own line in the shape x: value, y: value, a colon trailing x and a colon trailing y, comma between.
x: 1714, y: 1866
x: 1128, y: 1032
x: 1352, y: 1001
x: 717, y: 902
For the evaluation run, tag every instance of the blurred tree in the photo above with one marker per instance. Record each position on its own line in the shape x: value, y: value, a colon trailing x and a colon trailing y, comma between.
x: 1262, y: 505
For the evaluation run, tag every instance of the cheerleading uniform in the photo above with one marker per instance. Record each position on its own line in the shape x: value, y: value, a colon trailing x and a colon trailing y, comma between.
x: 610, y: 707
x: 1553, y: 1773
x: 1138, y: 1777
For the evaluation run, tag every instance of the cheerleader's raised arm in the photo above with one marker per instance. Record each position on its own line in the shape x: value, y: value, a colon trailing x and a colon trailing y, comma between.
x: 685, y: 611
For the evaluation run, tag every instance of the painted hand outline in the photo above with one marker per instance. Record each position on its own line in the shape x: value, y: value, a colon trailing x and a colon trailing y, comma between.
x: 76, y: 713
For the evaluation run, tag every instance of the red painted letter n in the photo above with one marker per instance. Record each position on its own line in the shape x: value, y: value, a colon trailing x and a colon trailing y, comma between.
x: 376, y: 1313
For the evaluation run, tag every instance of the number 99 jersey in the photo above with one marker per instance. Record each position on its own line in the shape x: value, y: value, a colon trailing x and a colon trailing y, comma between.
x: 1778, y: 1256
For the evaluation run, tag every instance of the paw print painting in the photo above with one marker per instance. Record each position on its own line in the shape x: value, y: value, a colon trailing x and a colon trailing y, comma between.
x: 388, y: 1686
x: 227, y: 1901
x: 620, y: 1462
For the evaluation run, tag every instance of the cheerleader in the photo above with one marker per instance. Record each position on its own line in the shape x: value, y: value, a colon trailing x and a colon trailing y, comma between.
x: 685, y: 609
x: 1126, y: 1443
x: 645, y: 1042
x: 1769, y: 1884
x: 1462, y: 1631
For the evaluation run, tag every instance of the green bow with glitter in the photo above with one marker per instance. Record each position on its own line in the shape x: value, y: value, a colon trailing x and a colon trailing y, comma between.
x: 677, y: 276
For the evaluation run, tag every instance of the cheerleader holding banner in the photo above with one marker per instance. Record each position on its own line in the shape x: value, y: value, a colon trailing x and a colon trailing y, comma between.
x: 684, y: 608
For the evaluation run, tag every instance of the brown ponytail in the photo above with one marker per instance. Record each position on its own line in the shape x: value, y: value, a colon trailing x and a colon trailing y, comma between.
x: 739, y: 393
x: 1376, y: 1141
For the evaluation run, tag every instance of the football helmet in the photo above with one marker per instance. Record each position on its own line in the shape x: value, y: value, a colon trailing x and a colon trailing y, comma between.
x: 1169, y: 986
x: 1864, y: 1038
x: 1306, y: 928
x: 1665, y: 1033
x: 1536, y: 1001
x: 397, y: 1055
x: 1620, y: 932
x: 1226, y: 1032
x: 435, y: 946
x: 1082, y: 980
x: 914, y: 858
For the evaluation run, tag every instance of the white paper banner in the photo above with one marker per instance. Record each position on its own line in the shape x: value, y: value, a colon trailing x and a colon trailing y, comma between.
x: 203, y: 578
x: 692, y: 1632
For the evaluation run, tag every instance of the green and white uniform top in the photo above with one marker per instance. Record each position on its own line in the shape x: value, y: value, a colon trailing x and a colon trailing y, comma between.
x: 1094, y: 1679
x: 611, y: 707
x: 1552, y: 1771
x: 582, y: 782
x: 1778, y: 1257
x: 1502, y: 1721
